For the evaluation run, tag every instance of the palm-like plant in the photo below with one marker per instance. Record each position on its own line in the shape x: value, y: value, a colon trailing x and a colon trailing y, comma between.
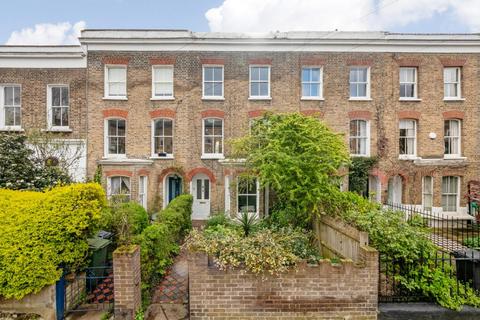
x: 248, y: 222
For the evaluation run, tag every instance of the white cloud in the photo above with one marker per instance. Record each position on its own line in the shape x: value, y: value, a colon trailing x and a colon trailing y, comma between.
x: 272, y: 15
x: 48, y: 34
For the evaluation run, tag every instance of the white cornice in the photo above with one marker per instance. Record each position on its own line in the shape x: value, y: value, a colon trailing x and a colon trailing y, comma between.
x: 42, y: 57
x: 182, y: 40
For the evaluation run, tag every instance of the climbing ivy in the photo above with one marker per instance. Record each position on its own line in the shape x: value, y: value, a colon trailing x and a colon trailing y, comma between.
x: 358, y: 174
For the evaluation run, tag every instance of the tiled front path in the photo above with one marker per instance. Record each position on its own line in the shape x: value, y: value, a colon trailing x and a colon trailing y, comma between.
x: 170, y: 301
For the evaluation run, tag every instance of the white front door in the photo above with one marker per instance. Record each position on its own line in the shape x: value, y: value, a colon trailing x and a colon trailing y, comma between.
x: 200, y: 189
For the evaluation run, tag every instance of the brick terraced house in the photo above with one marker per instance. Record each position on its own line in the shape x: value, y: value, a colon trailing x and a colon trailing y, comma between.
x: 158, y: 107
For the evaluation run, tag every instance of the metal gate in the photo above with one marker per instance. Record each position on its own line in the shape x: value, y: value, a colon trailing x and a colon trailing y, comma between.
x: 89, y: 290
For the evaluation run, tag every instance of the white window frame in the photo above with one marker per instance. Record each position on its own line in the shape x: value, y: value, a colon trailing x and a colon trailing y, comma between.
x: 257, y: 200
x: 310, y: 82
x: 415, y: 83
x: 408, y: 156
x: 458, y: 83
x: 143, y: 197
x: 368, y: 83
x: 107, y: 95
x: 154, y: 82
x: 169, y: 155
x: 212, y: 155
x: 427, y: 192
x: 50, y: 125
x: 109, y: 186
x: 459, y: 137
x: 213, y: 97
x: 2, y: 108
x: 367, y: 137
x: 457, y: 204
x: 269, y: 95
x: 106, y: 140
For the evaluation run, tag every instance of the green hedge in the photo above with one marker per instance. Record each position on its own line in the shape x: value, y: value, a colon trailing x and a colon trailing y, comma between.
x: 39, y: 232
x: 125, y: 220
x: 159, y: 242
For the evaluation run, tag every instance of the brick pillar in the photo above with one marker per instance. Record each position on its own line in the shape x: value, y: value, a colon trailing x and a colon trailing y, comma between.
x: 126, y: 278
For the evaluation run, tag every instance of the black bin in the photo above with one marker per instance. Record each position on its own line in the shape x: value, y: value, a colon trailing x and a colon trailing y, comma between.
x: 468, y: 266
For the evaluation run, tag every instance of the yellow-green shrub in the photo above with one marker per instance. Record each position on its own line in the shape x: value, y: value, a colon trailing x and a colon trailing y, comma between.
x: 42, y: 232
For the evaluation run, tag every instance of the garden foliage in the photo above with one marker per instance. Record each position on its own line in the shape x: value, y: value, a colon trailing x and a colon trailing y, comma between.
x: 407, y: 243
x: 159, y: 241
x: 298, y: 157
x: 43, y: 233
x: 21, y: 170
x: 263, y: 250
x: 125, y: 220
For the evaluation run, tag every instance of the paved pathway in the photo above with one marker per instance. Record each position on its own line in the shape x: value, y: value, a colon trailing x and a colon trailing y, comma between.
x: 446, y: 244
x: 170, y: 300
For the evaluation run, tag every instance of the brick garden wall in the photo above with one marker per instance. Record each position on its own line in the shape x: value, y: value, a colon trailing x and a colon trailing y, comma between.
x: 324, y: 291
x: 127, y: 279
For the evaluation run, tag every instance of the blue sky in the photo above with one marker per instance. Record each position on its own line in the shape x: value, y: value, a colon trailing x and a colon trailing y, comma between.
x: 45, y: 17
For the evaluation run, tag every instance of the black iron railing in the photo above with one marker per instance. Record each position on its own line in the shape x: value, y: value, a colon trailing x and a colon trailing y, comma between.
x: 457, y: 239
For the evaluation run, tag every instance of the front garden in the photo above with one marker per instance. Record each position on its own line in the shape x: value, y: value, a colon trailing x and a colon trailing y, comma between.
x: 303, y: 163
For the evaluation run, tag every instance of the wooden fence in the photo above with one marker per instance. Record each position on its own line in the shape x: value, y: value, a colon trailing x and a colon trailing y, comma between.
x: 336, y: 239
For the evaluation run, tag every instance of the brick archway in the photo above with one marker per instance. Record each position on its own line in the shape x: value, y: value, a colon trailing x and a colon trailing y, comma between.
x: 198, y: 170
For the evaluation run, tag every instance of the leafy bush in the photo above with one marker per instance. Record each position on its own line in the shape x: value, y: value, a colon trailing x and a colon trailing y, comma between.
x: 42, y: 232
x: 358, y: 173
x: 159, y: 242
x: 298, y: 157
x: 21, y: 170
x: 408, y: 244
x: 125, y: 220
x: 265, y: 251
x: 218, y: 219
x: 178, y: 214
x: 472, y: 242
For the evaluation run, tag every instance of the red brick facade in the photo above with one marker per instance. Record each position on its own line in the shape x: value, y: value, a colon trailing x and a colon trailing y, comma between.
x: 383, y: 110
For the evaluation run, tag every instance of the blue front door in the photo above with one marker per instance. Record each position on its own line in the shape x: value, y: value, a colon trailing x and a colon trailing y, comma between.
x: 174, y: 187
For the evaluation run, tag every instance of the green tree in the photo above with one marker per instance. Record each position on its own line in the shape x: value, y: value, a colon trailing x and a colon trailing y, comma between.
x: 21, y: 170
x: 298, y: 157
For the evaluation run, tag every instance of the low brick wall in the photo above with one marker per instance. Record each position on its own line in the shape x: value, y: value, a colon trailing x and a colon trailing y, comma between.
x: 326, y: 291
x: 127, y: 279
x: 42, y: 304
